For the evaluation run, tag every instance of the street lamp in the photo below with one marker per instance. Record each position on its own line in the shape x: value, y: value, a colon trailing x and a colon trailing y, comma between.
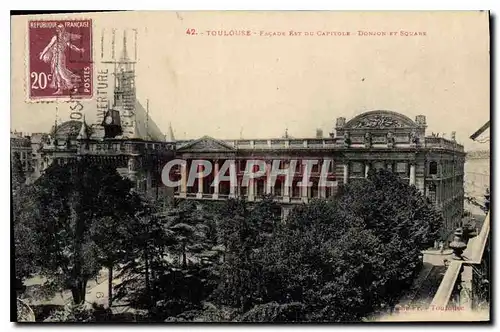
x: 458, y: 245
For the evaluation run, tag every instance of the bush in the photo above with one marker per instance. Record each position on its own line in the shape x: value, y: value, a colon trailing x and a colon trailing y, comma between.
x: 274, y: 312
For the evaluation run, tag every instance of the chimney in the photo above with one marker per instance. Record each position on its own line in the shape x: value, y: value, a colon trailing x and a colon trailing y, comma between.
x: 319, y: 133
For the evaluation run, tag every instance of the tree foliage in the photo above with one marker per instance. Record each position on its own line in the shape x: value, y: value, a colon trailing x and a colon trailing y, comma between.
x: 337, y: 260
x: 333, y: 260
x: 62, y: 215
x: 74, y: 313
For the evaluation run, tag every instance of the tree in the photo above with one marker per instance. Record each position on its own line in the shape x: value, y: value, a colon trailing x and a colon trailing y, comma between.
x: 18, y: 178
x: 189, y: 230
x: 169, y: 248
x: 243, y: 232
x: 68, y: 201
x: 341, y: 259
x: 274, y: 312
x: 145, y: 255
x: 265, y: 217
x: 392, y: 208
x: 117, y: 217
x: 72, y: 313
x: 25, y: 249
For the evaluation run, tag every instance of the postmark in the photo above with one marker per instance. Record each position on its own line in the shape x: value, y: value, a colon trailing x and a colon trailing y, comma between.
x: 60, y: 60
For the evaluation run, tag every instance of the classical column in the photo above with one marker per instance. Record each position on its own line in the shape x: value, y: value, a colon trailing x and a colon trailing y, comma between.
x: 149, y: 181
x: 285, y: 190
x: 250, y: 189
x: 269, y: 188
x: 303, y: 192
x: 132, y: 168
x: 233, y: 186
x: 367, y: 169
x: 200, y: 182
x: 322, y: 190
x: 304, y: 189
x: 412, y: 174
x: 183, y: 190
x: 216, y: 180
x: 303, y: 185
x: 346, y: 173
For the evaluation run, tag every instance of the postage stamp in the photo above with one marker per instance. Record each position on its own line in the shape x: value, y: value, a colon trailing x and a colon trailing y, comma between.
x: 60, y: 59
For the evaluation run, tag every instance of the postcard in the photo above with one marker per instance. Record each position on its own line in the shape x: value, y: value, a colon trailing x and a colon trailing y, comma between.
x: 251, y: 166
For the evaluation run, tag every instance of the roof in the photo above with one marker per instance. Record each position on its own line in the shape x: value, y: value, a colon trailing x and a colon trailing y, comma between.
x: 69, y: 128
x: 145, y: 127
x: 17, y: 140
x: 137, y: 124
x: 38, y: 137
x: 380, y: 119
x: 205, y: 144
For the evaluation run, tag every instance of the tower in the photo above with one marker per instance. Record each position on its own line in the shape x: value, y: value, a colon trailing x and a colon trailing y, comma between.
x: 125, y: 91
x: 120, y: 119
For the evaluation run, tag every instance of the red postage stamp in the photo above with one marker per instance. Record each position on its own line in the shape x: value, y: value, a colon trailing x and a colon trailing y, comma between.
x: 60, y: 59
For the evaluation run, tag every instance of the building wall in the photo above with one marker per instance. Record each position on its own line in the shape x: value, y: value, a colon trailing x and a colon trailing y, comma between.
x: 477, y: 180
x: 21, y: 145
x: 377, y: 139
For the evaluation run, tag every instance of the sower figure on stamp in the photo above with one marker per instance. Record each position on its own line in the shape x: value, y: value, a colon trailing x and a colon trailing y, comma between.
x: 54, y: 53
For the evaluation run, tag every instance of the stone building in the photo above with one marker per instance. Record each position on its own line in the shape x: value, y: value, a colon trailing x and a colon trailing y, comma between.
x: 127, y: 138
x: 20, y: 145
x: 375, y: 139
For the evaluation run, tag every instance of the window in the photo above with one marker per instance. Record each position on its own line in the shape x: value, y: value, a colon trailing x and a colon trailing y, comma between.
x: 315, y: 168
x: 401, y: 168
x: 154, y: 180
x: 260, y: 187
x: 295, y: 189
x: 432, y: 193
x: 243, y: 165
x: 331, y: 165
x: 314, y: 189
x: 357, y: 168
x: 277, y: 188
x: 379, y: 165
x: 243, y: 190
x: 433, y: 167
x: 329, y: 191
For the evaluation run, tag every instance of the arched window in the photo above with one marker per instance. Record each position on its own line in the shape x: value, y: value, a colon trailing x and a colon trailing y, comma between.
x: 433, y: 168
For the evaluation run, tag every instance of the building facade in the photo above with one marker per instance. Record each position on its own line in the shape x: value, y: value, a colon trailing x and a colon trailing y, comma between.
x: 20, y: 146
x: 375, y: 139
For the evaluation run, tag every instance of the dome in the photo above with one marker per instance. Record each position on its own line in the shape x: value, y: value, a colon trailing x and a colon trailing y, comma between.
x: 69, y: 128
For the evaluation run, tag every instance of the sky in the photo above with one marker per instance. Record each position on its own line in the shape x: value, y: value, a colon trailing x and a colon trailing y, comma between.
x: 258, y: 86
